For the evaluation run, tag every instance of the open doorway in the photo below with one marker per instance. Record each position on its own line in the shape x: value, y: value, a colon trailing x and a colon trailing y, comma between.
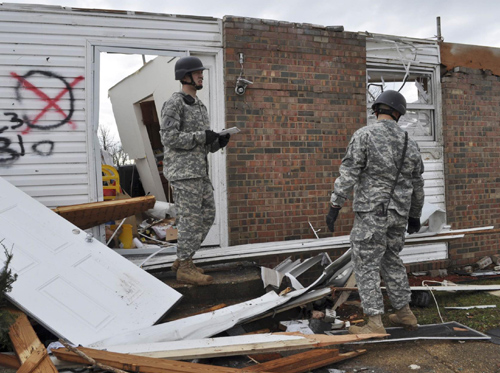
x: 114, y: 68
x: 130, y: 107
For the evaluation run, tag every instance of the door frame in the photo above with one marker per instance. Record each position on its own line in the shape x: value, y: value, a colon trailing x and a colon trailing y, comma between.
x: 216, y: 105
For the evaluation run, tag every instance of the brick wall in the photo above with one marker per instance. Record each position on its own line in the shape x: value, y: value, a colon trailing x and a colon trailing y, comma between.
x: 471, y: 133
x: 307, y: 99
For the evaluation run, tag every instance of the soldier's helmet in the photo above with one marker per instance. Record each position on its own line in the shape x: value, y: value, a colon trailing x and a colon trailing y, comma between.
x: 187, y: 65
x: 393, y: 99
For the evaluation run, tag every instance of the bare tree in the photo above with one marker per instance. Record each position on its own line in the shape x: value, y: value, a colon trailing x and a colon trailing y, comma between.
x: 113, y: 147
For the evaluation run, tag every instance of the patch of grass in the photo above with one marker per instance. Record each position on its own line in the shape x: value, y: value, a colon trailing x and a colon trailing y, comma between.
x: 478, y: 319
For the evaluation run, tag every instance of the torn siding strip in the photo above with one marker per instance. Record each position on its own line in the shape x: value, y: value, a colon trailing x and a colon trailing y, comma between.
x: 386, y: 48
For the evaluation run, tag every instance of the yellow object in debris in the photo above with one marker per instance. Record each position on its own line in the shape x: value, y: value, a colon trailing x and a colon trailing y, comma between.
x: 110, y: 182
x: 126, y: 237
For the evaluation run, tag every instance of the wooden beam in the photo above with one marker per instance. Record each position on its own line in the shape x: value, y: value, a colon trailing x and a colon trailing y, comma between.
x: 35, y: 359
x: 305, y: 361
x: 141, y: 364
x: 239, y: 345
x: 345, y: 294
x: 9, y: 361
x: 88, y: 215
x: 28, y: 347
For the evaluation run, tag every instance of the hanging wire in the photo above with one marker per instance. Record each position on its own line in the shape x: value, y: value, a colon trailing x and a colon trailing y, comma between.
x: 435, y: 301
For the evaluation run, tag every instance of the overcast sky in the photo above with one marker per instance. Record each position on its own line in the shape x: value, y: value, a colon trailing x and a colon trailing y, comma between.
x: 462, y: 21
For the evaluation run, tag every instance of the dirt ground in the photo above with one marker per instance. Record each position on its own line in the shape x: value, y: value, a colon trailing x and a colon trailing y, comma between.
x: 429, y: 356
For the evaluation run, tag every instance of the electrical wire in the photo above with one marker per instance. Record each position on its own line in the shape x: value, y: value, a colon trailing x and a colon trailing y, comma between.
x: 435, y: 301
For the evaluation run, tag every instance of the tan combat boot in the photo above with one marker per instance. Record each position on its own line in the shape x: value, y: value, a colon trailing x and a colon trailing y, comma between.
x: 404, y: 317
x: 175, y: 267
x: 187, y: 273
x: 374, y: 325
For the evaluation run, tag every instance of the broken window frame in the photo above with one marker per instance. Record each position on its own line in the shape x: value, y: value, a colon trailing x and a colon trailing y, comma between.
x: 431, y: 109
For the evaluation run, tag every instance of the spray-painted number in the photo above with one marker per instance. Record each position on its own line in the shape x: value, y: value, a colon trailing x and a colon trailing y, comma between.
x: 8, y: 154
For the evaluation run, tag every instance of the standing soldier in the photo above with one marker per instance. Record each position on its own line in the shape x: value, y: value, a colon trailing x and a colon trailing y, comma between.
x: 187, y: 139
x: 385, y: 169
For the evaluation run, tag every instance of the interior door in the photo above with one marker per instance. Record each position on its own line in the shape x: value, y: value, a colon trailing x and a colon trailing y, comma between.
x: 72, y: 284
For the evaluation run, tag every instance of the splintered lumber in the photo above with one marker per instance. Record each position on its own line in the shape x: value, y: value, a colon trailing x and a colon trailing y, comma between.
x: 239, y: 345
x: 262, y: 358
x: 141, y: 364
x: 9, y: 361
x: 345, y: 294
x: 88, y: 215
x: 30, y: 350
x: 305, y: 361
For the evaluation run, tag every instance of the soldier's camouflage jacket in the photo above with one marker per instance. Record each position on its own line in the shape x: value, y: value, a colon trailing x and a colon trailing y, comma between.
x: 182, y: 130
x: 370, y: 167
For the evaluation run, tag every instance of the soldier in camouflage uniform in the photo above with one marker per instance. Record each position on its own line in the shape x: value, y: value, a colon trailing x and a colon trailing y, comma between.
x: 388, y: 195
x: 187, y: 139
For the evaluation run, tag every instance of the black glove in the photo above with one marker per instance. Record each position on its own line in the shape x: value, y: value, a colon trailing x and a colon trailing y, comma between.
x: 224, y: 140
x: 413, y: 225
x: 331, y: 217
x: 211, y: 136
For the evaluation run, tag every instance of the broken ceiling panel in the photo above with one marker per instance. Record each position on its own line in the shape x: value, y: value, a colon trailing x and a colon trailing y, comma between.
x: 69, y: 282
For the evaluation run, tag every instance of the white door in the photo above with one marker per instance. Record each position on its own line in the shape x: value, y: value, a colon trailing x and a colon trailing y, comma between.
x: 77, y: 288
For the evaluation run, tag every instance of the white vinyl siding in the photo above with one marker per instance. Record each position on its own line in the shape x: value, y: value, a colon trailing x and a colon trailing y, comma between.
x: 54, y: 40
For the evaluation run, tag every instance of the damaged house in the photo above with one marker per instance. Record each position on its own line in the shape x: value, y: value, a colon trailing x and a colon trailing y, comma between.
x: 312, y: 87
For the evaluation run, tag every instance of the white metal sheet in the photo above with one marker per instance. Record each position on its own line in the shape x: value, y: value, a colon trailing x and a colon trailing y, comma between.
x: 79, y: 290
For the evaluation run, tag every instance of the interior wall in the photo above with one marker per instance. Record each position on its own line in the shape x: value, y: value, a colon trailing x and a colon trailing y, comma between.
x: 306, y: 100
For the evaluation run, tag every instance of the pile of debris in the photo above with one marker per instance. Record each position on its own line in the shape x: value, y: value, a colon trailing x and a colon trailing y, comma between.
x: 90, y: 296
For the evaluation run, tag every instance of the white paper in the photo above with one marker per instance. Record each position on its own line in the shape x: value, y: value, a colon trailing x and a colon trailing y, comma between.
x: 231, y: 131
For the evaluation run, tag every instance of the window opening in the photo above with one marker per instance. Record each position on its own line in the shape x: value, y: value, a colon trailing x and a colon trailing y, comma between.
x: 417, y: 88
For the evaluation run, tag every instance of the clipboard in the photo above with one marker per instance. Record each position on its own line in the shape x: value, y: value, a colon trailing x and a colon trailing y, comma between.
x: 231, y: 131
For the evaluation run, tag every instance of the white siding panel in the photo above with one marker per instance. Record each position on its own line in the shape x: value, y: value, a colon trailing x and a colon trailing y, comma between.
x: 55, y: 158
x: 42, y: 61
x: 29, y: 50
x: 46, y: 170
x: 57, y: 201
x: 37, y: 180
x: 58, y: 135
x: 108, y: 32
x: 424, y: 253
x: 66, y: 72
x: 53, y: 40
x: 55, y: 190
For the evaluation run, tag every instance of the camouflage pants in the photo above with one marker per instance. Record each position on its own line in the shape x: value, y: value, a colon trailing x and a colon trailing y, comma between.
x: 195, y: 206
x: 376, y: 242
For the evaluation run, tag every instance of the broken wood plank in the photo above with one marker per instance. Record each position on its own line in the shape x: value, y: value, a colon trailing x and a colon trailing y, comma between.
x: 305, y: 361
x: 34, y: 360
x: 238, y: 345
x: 26, y: 344
x: 9, y: 361
x: 88, y: 215
x: 141, y: 364
x: 345, y: 294
x: 262, y: 358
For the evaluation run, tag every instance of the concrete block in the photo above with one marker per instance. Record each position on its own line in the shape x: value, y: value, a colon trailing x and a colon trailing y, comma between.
x: 330, y: 315
x: 468, y: 269
x: 484, y: 262
x: 496, y: 259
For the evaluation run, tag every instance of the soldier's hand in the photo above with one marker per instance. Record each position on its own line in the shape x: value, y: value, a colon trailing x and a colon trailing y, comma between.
x: 413, y: 225
x: 211, y: 136
x: 224, y: 140
x: 331, y: 217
